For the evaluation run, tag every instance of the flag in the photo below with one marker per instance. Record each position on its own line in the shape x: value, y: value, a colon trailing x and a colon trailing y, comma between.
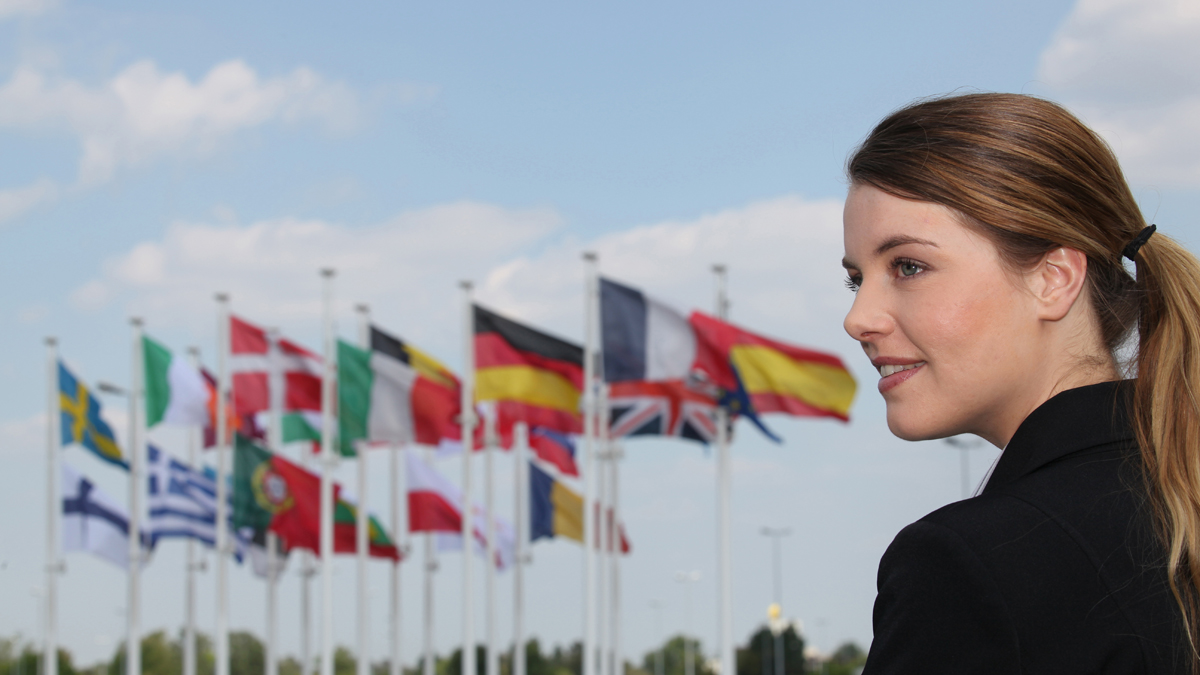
x: 554, y: 509
x: 233, y: 422
x: 774, y: 376
x: 253, y: 355
x: 93, y: 521
x: 345, y: 532
x: 557, y: 511
x: 271, y: 493
x: 643, y: 338
x: 394, y: 393
x: 435, y: 505
x: 532, y: 376
x: 555, y: 449
x: 669, y: 408
x: 81, y: 421
x: 183, y: 503
x: 176, y: 392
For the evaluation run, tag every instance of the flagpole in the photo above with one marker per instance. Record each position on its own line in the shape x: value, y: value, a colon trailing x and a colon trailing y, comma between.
x: 609, y: 528
x: 493, y: 659
x: 133, y: 650
x: 724, y: 489
x: 398, y: 529
x: 53, y: 507
x: 275, y: 392
x: 222, y: 636
x: 189, y: 611
x: 327, y: 459
x: 591, y: 307
x: 467, y: 406
x: 361, y: 523
x: 427, y: 660
x: 616, y: 453
x: 602, y: 596
x: 521, y: 470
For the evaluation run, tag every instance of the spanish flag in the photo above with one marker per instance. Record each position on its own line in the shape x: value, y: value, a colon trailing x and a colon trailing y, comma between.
x: 776, y: 377
x: 532, y: 377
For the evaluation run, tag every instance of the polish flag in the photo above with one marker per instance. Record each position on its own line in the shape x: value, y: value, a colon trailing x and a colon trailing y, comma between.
x: 435, y: 505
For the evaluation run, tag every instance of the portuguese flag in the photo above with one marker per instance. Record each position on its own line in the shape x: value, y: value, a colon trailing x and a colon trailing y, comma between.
x: 272, y: 493
x: 532, y: 376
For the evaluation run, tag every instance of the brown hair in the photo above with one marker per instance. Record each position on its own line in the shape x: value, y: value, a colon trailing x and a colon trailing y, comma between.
x: 1031, y: 177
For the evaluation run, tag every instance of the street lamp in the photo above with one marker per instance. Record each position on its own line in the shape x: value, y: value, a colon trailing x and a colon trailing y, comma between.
x: 965, y: 445
x: 775, y: 611
x: 689, y: 657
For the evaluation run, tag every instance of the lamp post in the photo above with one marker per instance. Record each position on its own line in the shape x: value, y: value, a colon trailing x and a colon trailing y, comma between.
x: 689, y: 657
x: 964, y: 445
x: 775, y: 612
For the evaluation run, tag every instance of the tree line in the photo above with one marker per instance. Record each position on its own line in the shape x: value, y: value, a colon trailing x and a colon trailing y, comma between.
x: 162, y: 654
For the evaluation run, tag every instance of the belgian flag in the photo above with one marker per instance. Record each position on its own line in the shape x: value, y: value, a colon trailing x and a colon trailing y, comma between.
x: 532, y: 376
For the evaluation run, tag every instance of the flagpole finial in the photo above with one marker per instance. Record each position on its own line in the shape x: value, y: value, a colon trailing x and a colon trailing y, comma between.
x: 51, y: 341
x: 222, y: 297
x: 362, y: 308
x: 135, y: 321
x: 194, y: 351
x: 590, y: 256
x: 328, y: 272
x: 466, y: 285
x: 719, y: 268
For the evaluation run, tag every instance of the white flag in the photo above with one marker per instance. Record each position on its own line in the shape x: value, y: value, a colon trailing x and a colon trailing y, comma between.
x: 93, y: 521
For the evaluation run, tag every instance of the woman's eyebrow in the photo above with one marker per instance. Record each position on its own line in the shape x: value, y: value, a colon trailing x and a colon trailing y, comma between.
x: 901, y: 240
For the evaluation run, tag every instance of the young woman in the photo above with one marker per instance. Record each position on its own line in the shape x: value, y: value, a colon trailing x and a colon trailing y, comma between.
x: 987, y: 238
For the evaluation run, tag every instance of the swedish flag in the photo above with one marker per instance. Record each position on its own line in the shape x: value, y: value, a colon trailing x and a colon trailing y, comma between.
x: 81, y: 422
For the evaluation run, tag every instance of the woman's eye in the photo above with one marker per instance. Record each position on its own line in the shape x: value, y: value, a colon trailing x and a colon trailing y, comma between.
x: 853, y: 281
x: 909, y: 268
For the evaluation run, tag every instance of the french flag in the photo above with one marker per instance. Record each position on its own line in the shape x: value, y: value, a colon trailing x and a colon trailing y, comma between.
x: 643, y: 338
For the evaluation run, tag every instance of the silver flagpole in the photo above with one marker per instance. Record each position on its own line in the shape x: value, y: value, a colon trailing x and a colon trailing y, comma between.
x: 468, y: 443
x: 521, y: 470
x: 327, y: 463
x: 399, y: 537
x: 724, y: 490
x: 53, y: 508
x: 616, y: 452
x: 492, y: 666
x: 133, y: 638
x: 222, y: 636
x: 189, y: 611
x: 431, y: 565
x: 362, y: 524
x: 276, y: 385
x: 591, y: 308
x: 602, y: 544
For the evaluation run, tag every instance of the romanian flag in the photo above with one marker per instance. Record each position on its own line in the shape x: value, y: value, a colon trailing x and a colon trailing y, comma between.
x: 775, y: 377
x: 81, y: 420
x: 554, y: 509
x: 532, y: 377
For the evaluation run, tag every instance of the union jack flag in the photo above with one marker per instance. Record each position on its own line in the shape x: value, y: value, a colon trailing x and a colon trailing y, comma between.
x: 666, y: 408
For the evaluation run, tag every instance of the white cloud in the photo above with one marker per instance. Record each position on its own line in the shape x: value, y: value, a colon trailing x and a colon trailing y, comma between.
x: 25, y: 436
x: 1128, y: 67
x: 143, y: 113
x: 11, y: 8
x: 17, y: 201
x: 783, y: 255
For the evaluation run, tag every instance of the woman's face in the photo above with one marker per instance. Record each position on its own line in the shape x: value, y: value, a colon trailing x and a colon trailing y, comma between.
x: 953, y: 334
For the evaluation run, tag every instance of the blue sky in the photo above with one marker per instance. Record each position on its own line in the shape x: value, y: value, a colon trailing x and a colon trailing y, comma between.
x: 157, y: 154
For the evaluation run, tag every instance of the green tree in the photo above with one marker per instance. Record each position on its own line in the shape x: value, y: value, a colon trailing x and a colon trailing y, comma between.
x: 845, y: 660
x: 675, y: 657
x: 758, y: 656
x: 246, y: 654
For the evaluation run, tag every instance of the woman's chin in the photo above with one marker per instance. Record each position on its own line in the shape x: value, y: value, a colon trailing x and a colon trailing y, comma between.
x: 905, y: 427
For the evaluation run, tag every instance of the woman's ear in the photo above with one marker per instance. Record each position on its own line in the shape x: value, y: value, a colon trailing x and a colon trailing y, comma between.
x: 1057, y: 282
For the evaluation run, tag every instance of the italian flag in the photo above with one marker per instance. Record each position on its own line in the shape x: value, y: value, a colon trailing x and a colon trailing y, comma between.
x: 176, y: 392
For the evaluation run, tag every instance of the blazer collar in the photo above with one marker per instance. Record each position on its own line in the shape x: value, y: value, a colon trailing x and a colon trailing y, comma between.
x: 1070, y: 421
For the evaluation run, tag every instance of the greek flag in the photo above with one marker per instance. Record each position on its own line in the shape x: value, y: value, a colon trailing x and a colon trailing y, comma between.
x: 183, y: 502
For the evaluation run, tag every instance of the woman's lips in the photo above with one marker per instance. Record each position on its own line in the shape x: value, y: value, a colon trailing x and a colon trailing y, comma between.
x: 897, y: 375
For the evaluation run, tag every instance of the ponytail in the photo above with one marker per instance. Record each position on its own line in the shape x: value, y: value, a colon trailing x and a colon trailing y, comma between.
x: 1166, y: 411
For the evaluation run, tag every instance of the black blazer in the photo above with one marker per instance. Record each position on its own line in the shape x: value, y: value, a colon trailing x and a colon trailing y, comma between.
x: 1055, y: 568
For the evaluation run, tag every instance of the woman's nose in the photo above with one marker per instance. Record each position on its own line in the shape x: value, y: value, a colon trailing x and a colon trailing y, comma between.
x: 867, y: 318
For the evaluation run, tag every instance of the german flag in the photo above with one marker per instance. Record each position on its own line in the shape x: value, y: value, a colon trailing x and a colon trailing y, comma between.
x: 532, y: 377
x: 777, y: 377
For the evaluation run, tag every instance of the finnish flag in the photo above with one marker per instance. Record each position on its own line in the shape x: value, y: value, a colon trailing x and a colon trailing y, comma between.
x: 93, y: 521
x: 643, y: 338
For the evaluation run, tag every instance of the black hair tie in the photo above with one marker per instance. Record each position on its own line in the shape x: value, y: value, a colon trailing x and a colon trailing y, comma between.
x: 1131, y: 250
